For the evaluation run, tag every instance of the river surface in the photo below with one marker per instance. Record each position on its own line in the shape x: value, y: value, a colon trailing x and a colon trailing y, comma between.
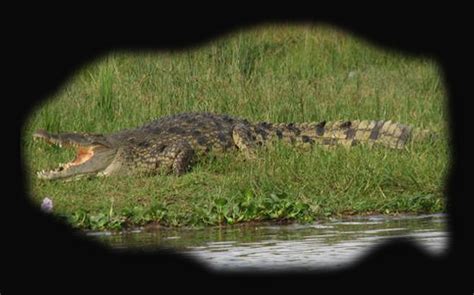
x: 331, y: 244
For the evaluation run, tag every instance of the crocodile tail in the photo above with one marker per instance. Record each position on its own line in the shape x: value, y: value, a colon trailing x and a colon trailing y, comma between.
x: 347, y: 133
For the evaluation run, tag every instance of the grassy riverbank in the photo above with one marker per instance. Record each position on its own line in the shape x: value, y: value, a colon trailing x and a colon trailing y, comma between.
x: 274, y: 73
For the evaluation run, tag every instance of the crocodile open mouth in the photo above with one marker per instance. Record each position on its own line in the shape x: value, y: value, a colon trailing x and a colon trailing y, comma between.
x: 90, y: 157
x: 83, y: 154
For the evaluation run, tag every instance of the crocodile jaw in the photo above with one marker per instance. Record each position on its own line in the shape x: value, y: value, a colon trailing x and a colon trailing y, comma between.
x: 88, y: 161
x: 91, y: 158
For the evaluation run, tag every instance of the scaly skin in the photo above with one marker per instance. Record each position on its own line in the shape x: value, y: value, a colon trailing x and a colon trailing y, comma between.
x: 172, y: 144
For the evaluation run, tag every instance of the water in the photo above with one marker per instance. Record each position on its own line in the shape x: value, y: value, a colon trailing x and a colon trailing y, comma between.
x: 274, y: 247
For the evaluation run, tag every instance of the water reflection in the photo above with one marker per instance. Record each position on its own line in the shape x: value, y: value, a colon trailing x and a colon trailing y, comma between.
x: 319, y: 245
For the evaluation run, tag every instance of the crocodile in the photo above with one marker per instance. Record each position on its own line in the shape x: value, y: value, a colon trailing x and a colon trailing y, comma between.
x: 172, y: 144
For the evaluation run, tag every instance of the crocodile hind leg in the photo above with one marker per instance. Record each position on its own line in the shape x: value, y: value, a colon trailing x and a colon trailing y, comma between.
x: 244, y: 139
x: 181, y: 156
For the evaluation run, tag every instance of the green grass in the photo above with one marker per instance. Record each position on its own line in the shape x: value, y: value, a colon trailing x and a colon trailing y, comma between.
x: 272, y: 73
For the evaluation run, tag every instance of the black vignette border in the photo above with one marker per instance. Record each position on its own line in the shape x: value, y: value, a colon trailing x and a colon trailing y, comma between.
x: 50, y: 52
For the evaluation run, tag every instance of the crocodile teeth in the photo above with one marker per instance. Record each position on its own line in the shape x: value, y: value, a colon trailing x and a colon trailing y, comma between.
x: 41, y: 173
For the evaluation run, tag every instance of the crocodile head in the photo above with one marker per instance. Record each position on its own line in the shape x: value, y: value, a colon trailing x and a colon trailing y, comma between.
x: 94, y: 153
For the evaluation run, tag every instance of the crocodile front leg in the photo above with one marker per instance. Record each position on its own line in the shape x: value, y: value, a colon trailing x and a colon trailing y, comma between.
x: 180, y: 156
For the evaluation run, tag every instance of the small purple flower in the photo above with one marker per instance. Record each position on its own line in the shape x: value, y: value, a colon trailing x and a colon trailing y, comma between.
x: 47, y: 205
